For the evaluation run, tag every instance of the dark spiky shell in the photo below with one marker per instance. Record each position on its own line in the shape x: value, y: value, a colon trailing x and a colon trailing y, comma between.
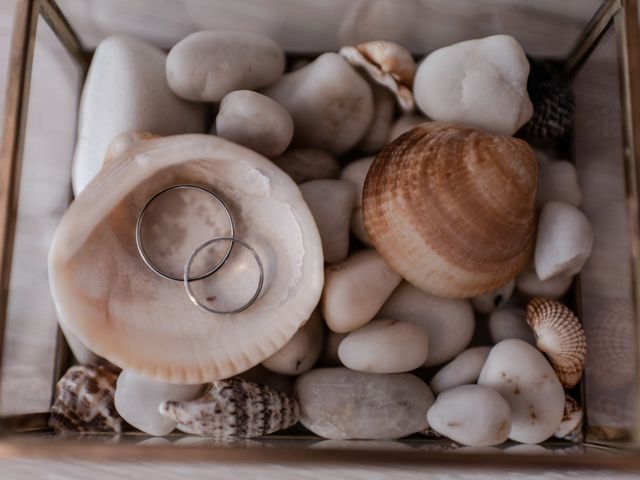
x: 553, y: 104
x: 234, y: 408
x: 84, y: 401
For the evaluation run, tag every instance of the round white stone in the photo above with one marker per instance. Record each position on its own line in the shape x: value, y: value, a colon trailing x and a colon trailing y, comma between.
x: 356, y: 173
x: 524, y: 378
x: 564, y: 240
x: 405, y: 123
x: 355, y: 289
x: 462, y: 370
x: 474, y: 415
x: 377, y: 135
x: 553, y: 288
x: 301, y: 352
x: 385, y: 346
x: 488, y: 302
x: 255, y: 121
x: 331, y: 203
x: 305, y: 164
x: 137, y: 400
x: 558, y: 180
x: 482, y: 83
x: 207, y: 65
x: 339, y: 403
x: 510, y: 322
x: 449, y: 323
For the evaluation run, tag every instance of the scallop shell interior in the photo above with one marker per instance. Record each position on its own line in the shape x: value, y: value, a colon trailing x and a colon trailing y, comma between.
x: 120, y: 309
x: 451, y: 208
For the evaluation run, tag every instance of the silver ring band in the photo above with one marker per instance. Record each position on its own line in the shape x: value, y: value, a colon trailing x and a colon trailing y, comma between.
x: 187, y: 281
x: 143, y: 252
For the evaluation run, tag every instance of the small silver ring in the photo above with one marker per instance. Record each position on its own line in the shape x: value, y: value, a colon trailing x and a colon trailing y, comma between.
x: 143, y: 252
x: 187, y: 281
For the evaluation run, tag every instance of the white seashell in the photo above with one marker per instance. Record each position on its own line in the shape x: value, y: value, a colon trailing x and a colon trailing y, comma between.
x: 377, y: 134
x: 126, y: 89
x: 331, y: 105
x: 81, y: 353
x: 233, y: 408
x: 306, y: 164
x: 449, y: 323
x: 488, y: 302
x: 558, y: 181
x: 143, y: 323
x: 385, y: 346
x: 564, y: 240
x: 405, y: 123
x: 474, y: 415
x: 462, y: 370
x: 481, y: 82
x: 510, y: 322
x: 553, y: 288
x: 137, y: 400
x: 571, y: 426
x: 255, y: 121
x: 356, y: 173
x: 524, y: 378
x: 84, y: 401
x: 559, y: 334
x: 302, y: 351
x: 355, y: 289
x: 206, y: 65
x: 387, y: 63
x: 331, y: 203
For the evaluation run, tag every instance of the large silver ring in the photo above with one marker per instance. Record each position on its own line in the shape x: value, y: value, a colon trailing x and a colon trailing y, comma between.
x: 143, y: 252
x: 187, y: 280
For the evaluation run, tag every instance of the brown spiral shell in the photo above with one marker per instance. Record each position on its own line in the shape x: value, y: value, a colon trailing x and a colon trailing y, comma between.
x: 559, y: 334
x: 84, y: 401
x: 451, y: 208
x: 234, y: 408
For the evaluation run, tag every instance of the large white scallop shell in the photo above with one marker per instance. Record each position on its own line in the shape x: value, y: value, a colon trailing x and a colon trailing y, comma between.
x: 120, y: 309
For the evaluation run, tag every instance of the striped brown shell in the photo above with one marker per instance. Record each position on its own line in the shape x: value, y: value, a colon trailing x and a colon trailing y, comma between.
x: 559, y: 334
x: 451, y: 208
x: 84, y: 401
x: 234, y: 408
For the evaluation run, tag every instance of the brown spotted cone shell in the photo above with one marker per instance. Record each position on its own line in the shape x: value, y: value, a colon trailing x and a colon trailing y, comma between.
x: 84, y: 401
x: 234, y: 408
x: 451, y: 208
x: 571, y: 426
x: 559, y: 334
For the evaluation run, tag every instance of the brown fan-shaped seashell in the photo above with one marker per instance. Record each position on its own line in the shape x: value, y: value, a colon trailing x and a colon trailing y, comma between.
x: 84, y: 401
x: 234, y: 408
x: 451, y: 208
x: 559, y: 334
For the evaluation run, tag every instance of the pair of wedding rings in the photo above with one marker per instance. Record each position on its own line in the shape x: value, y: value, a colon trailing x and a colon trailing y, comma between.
x: 187, y: 279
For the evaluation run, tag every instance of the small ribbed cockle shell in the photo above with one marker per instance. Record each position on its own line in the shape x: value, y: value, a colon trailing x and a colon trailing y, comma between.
x: 234, y: 408
x: 559, y: 334
x: 84, y: 401
x: 571, y: 426
x: 387, y: 63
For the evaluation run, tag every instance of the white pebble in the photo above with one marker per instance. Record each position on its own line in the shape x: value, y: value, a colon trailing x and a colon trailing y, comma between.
x: 377, y: 134
x: 564, y: 240
x: 462, y: 370
x: 385, y: 346
x: 356, y: 173
x: 473, y: 415
x: 449, y: 322
x: 526, y: 380
x: 301, y: 353
x: 126, y: 90
x: 331, y: 202
x: 138, y: 398
x: 558, y: 180
x: 488, y: 302
x: 305, y: 164
x: 553, y: 288
x: 207, y: 65
x: 331, y: 104
x: 355, y: 289
x: 255, y: 121
x: 405, y: 123
x: 482, y: 83
x: 510, y: 322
